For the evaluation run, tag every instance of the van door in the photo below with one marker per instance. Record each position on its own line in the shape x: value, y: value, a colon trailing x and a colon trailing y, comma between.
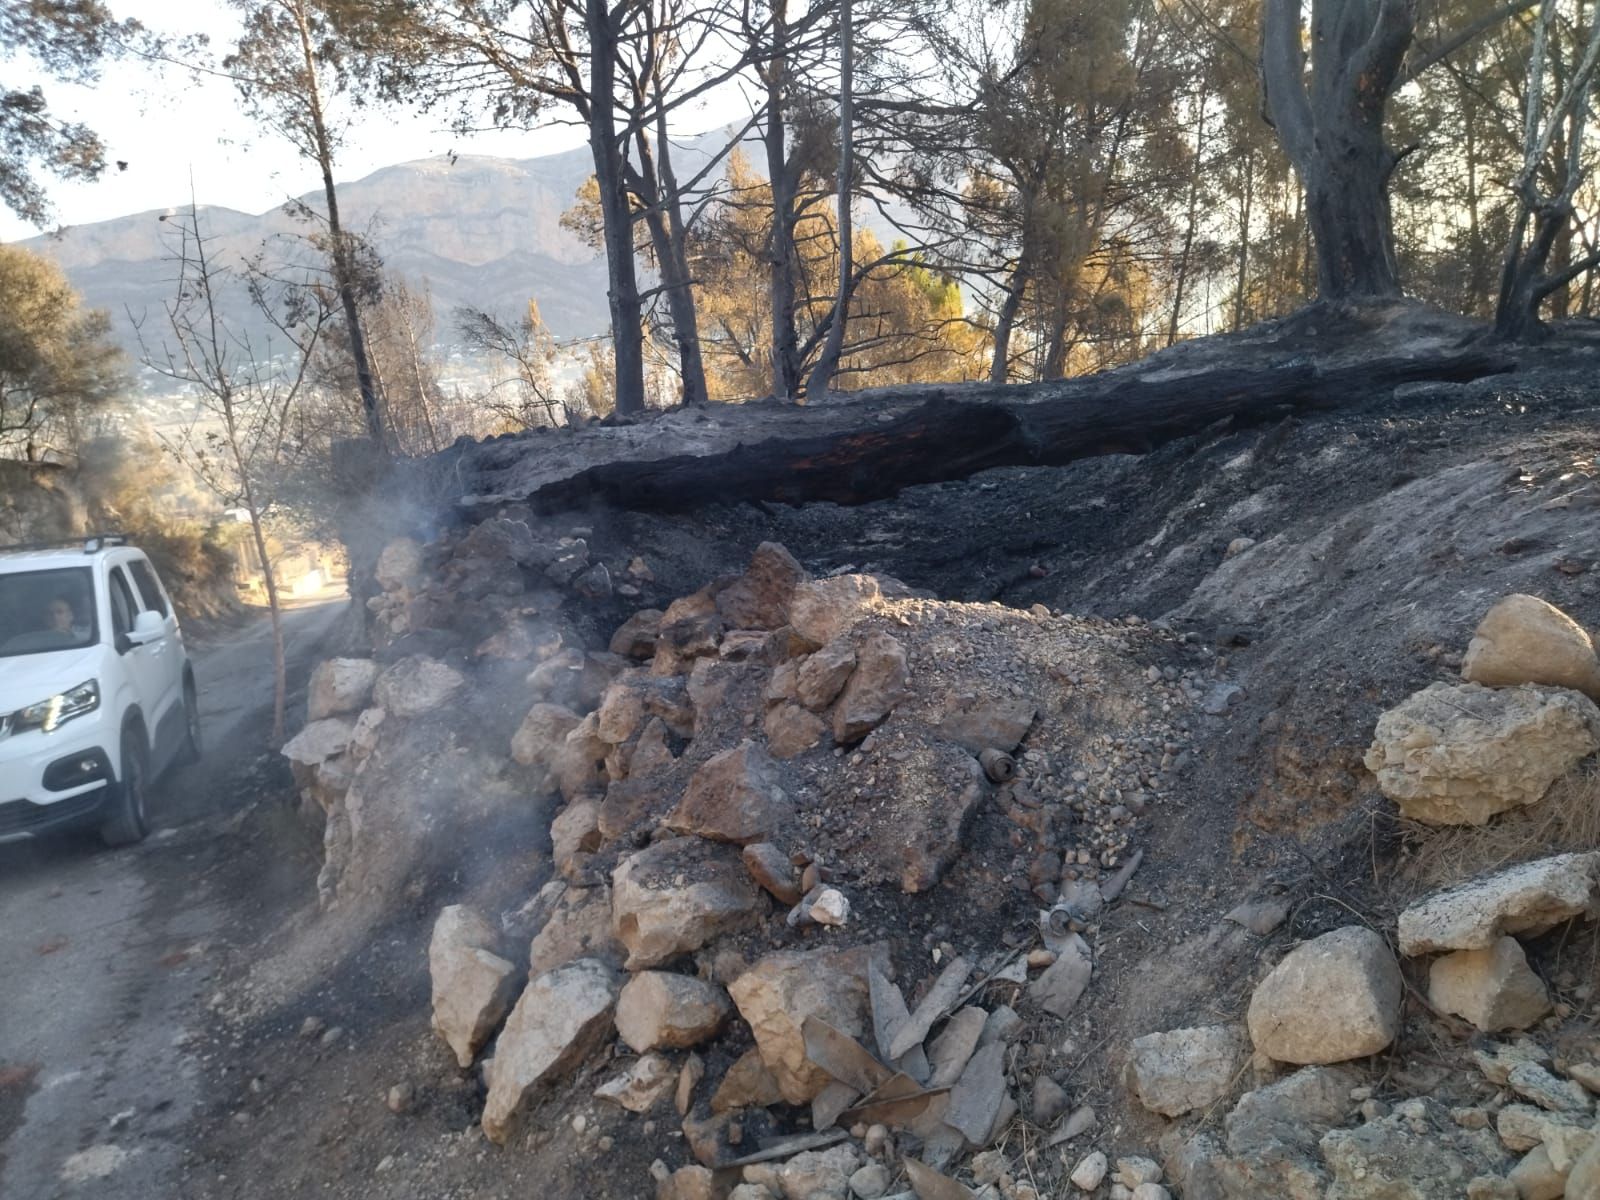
x: 148, y: 667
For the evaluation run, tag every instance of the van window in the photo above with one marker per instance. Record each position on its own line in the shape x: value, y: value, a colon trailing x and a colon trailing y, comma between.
x: 149, y: 588
x: 122, y: 603
x: 42, y: 611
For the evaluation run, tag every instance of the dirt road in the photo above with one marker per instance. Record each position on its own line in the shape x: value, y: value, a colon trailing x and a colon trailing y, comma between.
x: 104, y: 969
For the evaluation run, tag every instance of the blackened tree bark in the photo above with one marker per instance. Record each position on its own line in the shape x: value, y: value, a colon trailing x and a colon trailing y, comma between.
x: 827, y: 366
x: 782, y: 174
x: 1333, y: 130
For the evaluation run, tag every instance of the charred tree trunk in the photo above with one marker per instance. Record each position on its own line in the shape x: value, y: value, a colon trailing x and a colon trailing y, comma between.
x: 1006, y: 320
x: 781, y: 174
x: 833, y: 348
x: 658, y: 192
x: 1333, y: 132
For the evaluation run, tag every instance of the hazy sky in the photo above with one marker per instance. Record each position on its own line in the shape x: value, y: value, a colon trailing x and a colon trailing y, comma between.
x: 165, y: 124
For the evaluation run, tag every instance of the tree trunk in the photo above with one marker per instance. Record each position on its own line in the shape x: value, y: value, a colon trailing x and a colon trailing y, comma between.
x: 627, y: 332
x: 1191, y: 221
x: 1006, y: 320
x: 781, y: 250
x: 658, y: 191
x: 833, y: 348
x: 1347, y: 204
x: 1242, y: 268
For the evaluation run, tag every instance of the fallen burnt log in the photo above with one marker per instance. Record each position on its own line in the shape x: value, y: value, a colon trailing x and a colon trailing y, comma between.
x: 865, y: 448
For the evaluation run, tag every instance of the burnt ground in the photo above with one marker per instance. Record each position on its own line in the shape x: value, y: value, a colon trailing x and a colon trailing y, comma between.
x: 1381, y: 532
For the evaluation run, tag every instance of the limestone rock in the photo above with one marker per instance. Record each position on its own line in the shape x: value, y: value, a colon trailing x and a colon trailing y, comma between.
x: 658, y: 1010
x: 561, y: 1017
x: 1583, y: 1183
x: 1272, y: 1136
x: 881, y: 680
x: 636, y: 637
x: 634, y: 697
x: 472, y: 985
x: 579, y: 927
x: 578, y: 762
x: 1416, y: 1153
x: 1185, y: 1069
x: 675, y: 896
x: 760, y: 598
x: 747, y: 1084
x: 338, y: 686
x: 733, y: 797
x: 777, y: 994
x: 820, y: 677
x: 792, y: 730
x: 1457, y: 755
x: 693, y: 1182
x: 319, y: 741
x: 1523, y: 639
x: 1528, y: 898
x: 771, y: 868
x: 821, y: 609
x: 538, y: 739
x: 981, y: 722
x: 649, y: 1081
x: 814, y: 1173
x: 574, y: 837
x: 415, y: 685
x: 1532, y: 1082
x: 1495, y: 989
x: 399, y: 565
x: 1535, y: 1178
x: 1334, y: 998
x: 1524, y: 1126
x: 575, y: 678
x: 1091, y: 1169
x: 364, y: 736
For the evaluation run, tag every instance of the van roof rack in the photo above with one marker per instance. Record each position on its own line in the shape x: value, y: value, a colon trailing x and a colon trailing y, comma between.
x: 90, y: 542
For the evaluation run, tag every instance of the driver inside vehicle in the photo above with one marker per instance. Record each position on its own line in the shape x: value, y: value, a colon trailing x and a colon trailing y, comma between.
x: 59, y: 618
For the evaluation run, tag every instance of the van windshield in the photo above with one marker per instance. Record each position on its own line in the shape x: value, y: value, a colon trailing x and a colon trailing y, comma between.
x: 42, y: 611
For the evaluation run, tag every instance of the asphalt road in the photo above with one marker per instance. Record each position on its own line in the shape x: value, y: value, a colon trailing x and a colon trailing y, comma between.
x: 104, y: 970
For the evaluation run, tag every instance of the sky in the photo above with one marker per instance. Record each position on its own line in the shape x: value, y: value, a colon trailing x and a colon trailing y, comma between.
x: 168, y: 124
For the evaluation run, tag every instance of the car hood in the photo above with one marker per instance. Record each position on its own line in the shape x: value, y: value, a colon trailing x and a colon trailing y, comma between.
x: 29, y: 678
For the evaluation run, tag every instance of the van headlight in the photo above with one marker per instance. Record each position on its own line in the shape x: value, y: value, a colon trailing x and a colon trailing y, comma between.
x: 50, y: 714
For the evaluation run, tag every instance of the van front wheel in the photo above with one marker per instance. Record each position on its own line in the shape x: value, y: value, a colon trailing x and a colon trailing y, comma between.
x: 127, y: 823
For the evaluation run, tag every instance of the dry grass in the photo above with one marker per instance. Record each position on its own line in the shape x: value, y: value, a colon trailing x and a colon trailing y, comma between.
x: 1567, y: 819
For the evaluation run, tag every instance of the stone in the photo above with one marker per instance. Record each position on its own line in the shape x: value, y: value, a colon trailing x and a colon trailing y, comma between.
x: 634, y: 697
x: 1151, y: 1191
x: 1049, y: 1101
x: 658, y: 1010
x: 579, y: 927
x: 1532, y: 1082
x: 1494, y: 989
x: 578, y: 762
x: 1524, y: 1126
x: 820, y: 677
x: 1583, y: 1182
x: 1414, y: 1154
x: 636, y: 637
x: 1524, y: 639
x: 318, y: 742
x: 650, y: 752
x: 870, y: 1182
x: 694, y: 1070
x: 780, y: 991
x: 339, y: 686
x: 831, y: 907
x: 983, y: 722
x: 771, y: 868
x: 733, y: 797
x: 792, y: 730
x: 950, y: 1051
x: 399, y: 565
x: 649, y: 1081
x: 561, y: 1018
x: 1586, y: 1073
x: 542, y: 732
x: 822, y: 609
x: 574, y: 837
x: 415, y: 685
x: 472, y: 986
x: 1334, y: 998
x: 814, y: 1173
x: 1535, y: 1178
x: 881, y: 681
x: 1091, y: 1169
x: 1273, y: 1132
x: 364, y: 736
x: 692, y: 1182
x: 977, y: 1096
x: 1064, y: 981
x: 760, y: 598
x: 1457, y: 755
x: 1528, y: 898
x: 1185, y: 1069
x: 747, y: 1084
x: 675, y: 896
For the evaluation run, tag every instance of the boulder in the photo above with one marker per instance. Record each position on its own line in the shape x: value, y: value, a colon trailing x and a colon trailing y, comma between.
x: 881, y: 680
x: 415, y: 685
x: 748, y: 1084
x: 1495, y: 989
x: 675, y: 896
x: 821, y: 609
x: 658, y: 1010
x: 318, y: 742
x: 1457, y: 755
x: 1416, y: 1153
x: 364, y: 736
x: 820, y: 677
x: 561, y: 1018
x: 649, y: 1081
x: 1524, y: 639
x: 340, y: 685
x: 1583, y: 1182
x: 771, y: 868
x: 472, y: 985
x: 733, y: 797
x: 579, y: 926
x: 792, y: 730
x: 1528, y: 898
x: 1535, y: 1177
x: 538, y: 739
x: 636, y: 637
x: 399, y: 565
x: 578, y: 762
x: 759, y: 599
x: 575, y: 677
x: 1185, y: 1069
x: 980, y: 722
x: 635, y: 697
x: 1272, y: 1136
x: 1335, y: 998
x: 574, y: 837
x: 777, y: 994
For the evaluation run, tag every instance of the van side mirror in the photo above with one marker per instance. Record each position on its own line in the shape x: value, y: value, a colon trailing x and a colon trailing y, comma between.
x: 149, y: 626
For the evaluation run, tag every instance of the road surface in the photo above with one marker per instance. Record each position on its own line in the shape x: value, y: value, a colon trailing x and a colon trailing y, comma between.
x: 104, y: 971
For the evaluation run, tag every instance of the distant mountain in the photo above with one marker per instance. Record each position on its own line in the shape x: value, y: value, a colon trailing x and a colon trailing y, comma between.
x: 477, y: 231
